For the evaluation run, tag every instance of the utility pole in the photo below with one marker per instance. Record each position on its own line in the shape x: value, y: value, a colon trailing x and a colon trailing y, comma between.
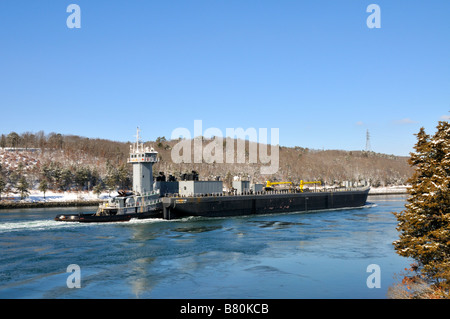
x: 368, y: 147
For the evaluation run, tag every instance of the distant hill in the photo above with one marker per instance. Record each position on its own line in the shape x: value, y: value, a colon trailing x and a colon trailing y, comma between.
x: 74, y: 162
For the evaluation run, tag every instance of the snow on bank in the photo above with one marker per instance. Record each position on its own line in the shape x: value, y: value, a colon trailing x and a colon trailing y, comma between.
x: 51, y: 196
x: 389, y: 190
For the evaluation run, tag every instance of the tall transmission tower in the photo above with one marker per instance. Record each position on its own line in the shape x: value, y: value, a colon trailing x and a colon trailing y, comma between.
x: 368, y: 147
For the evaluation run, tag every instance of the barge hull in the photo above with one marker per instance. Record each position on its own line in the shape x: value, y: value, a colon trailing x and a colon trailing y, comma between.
x: 241, y: 205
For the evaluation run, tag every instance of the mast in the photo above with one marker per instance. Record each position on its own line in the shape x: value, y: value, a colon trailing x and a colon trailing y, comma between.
x: 137, y: 138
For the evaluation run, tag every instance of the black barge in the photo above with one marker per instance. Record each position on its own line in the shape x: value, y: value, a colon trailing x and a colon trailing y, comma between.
x: 262, y: 203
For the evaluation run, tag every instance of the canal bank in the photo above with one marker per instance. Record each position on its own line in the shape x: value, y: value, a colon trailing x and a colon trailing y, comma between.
x: 72, y: 203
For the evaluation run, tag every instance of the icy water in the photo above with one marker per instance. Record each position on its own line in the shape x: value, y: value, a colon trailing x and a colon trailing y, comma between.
x: 297, y: 255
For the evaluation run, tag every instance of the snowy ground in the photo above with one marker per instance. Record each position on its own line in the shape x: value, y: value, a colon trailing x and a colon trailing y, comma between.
x: 389, y: 190
x: 51, y: 196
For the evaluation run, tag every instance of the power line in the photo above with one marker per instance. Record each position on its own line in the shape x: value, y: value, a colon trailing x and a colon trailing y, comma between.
x: 368, y: 146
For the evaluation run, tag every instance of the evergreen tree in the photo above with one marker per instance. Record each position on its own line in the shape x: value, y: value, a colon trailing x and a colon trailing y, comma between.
x: 65, y: 179
x: 112, y: 177
x: 2, y: 185
x: 23, y: 187
x: 43, y: 186
x: 123, y: 176
x: 81, y: 176
x: 2, y: 181
x: 3, y: 141
x: 94, y: 178
x: 98, y: 189
x: 424, y: 225
x: 13, y: 139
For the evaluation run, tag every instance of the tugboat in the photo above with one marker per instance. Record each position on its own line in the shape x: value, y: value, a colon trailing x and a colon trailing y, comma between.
x: 143, y: 202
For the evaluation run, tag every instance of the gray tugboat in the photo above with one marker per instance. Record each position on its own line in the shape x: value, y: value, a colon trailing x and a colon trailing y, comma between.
x: 143, y: 202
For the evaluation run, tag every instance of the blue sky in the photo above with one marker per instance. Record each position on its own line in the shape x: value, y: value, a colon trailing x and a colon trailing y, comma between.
x: 313, y: 69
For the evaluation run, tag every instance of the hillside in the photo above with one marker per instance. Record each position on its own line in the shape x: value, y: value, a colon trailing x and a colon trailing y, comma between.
x: 67, y: 162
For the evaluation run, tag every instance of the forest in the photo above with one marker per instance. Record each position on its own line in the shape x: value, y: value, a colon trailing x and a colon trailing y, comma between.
x: 55, y: 161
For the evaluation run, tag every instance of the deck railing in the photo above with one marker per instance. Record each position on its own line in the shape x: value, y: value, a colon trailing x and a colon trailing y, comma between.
x: 271, y: 192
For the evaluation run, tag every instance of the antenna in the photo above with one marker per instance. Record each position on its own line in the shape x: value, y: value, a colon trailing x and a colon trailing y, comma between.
x: 137, y: 140
x: 368, y: 147
x: 137, y: 134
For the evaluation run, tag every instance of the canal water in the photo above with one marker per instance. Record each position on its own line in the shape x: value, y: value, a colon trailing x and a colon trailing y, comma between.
x: 325, y: 254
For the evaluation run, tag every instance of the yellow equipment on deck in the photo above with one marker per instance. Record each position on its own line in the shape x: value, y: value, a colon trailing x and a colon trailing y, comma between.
x: 304, y: 183
x: 269, y: 184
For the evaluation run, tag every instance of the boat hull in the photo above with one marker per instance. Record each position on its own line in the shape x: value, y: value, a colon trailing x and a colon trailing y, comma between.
x: 92, y: 218
x: 240, y: 205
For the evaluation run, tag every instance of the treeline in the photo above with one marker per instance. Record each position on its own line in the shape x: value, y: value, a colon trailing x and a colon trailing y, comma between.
x: 107, y: 149
x: 60, y: 163
x: 331, y: 167
x: 69, y: 162
x: 31, y: 140
x: 57, y: 177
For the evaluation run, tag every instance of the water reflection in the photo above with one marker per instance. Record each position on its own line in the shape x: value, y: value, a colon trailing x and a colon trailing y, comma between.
x: 276, y: 224
x: 196, y: 229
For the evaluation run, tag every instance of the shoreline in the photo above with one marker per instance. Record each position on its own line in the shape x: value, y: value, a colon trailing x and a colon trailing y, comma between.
x: 8, y: 204
x: 72, y: 203
x: 36, y: 199
x: 401, y: 190
x: 389, y: 193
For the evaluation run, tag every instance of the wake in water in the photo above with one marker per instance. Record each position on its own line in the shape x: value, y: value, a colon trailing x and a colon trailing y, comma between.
x: 33, y: 225
x: 36, y: 225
